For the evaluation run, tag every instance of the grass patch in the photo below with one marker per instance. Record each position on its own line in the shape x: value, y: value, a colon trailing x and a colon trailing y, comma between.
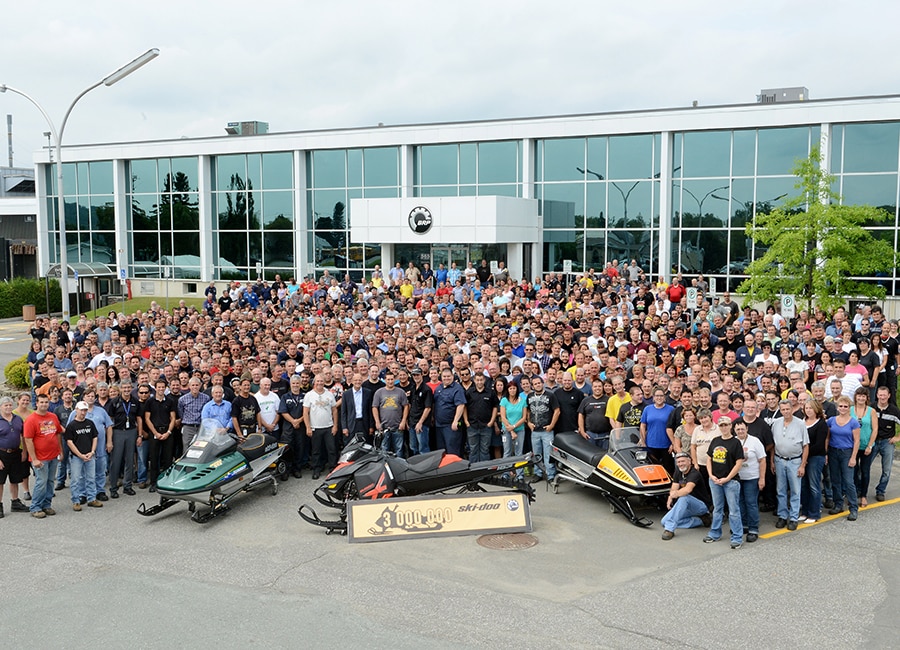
x: 143, y: 304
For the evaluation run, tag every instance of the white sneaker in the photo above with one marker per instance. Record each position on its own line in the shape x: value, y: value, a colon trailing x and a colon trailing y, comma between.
x: 810, y: 520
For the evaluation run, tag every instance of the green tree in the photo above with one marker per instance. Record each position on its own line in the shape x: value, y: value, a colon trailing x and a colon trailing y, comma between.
x: 814, y: 246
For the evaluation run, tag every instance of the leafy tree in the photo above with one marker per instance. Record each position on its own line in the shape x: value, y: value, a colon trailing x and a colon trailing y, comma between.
x: 814, y: 246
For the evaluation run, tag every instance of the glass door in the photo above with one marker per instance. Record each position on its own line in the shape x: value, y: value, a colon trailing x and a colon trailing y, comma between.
x: 446, y: 254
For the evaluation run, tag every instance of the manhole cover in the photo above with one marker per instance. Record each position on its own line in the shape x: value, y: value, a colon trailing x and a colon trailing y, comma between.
x: 508, y: 541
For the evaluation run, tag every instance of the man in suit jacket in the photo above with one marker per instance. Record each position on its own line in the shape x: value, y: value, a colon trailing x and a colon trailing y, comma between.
x: 356, y: 411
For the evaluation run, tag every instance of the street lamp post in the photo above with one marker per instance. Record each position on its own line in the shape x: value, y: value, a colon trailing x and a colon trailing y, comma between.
x: 109, y: 80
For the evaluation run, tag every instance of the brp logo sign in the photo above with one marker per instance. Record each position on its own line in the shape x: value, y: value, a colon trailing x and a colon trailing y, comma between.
x: 420, y: 220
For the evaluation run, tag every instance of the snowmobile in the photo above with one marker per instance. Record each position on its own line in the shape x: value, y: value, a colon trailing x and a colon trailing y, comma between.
x: 216, y: 468
x: 365, y: 471
x: 624, y: 471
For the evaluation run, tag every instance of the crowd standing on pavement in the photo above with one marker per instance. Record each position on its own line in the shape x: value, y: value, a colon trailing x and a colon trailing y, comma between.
x: 748, y: 410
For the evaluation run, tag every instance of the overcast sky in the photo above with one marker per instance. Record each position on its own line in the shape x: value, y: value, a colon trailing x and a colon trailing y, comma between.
x: 301, y: 65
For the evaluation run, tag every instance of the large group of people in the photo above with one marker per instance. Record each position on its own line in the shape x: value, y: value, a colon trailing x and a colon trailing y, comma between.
x: 748, y: 410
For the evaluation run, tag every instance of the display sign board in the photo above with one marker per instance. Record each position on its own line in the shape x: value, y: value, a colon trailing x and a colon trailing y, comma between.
x: 567, y: 267
x: 692, y: 297
x: 712, y: 287
x: 438, y: 515
x: 788, y: 306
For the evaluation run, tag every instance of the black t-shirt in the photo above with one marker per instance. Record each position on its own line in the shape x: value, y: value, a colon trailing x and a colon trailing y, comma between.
x: 245, y: 410
x: 541, y: 407
x: 594, y: 411
x: 724, y: 454
x: 693, y: 476
x: 569, y: 401
x: 818, y: 434
x: 630, y: 414
x: 82, y: 434
x: 159, y: 411
x: 887, y: 421
x: 761, y: 430
x: 420, y: 399
x: 225, y: 301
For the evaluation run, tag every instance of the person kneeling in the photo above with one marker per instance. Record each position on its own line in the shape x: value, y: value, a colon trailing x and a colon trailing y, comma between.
x: 685, y: 509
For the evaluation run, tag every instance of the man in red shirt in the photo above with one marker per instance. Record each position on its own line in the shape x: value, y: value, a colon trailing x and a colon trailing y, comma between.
x: 676, y: 291
x: 42, y: 433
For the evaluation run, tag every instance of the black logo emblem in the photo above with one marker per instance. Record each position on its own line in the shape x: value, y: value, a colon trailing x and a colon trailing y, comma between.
x: 420, y: 220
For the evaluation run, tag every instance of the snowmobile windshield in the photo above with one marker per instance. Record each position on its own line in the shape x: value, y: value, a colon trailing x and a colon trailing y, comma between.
x: 213, y: 433
x: 624, y: 438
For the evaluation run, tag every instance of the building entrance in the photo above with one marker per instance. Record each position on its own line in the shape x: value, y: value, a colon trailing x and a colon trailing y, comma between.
x: 446, y: 255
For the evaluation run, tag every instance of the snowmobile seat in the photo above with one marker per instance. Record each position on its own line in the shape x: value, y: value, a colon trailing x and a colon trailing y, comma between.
x: 416, y: 466
x: 572, y: 443
x: 256, y: 445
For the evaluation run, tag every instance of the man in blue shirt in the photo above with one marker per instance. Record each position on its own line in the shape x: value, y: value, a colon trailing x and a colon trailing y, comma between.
x: 449, y: 403
x: 217, y: 409
x: 655, y: 435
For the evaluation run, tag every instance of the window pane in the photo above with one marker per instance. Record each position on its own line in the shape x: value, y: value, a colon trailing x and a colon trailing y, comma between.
x: 279, y: 248
x: 561, y: 245
x: 354, y: 168
x: 185, y: 213
x: 779, y: 149
x: 702, y: 251
x: 880, y: 191
x: 563, y: 205
x: 438, y: 164
x: 871, y: 147
x: 468, y: 155
x: 187, y: 243
x: 418, y: 254
x: 772, y: 192
x: 103, y: 213
x: 382, y: 167
x: 146, y: 247
x: 277, y: 171
x: 630, y: 204
x: 741, y: 202
x: 84, y: 212
x: 233, y: 247
x: 498, y: 162
x: 254, y: 171
x: 381, y: 192
x: 83, y: 184
x: 231, y: 172
x: 69, y: 181
x: 638, y: 244
x: 744, y: 161
x: 596, y: 205
x: 497, y: 190
x: 328, y: 169
x: 164, y: 172
x: 836, y: 142
x: 103, y: 247
x: 595, y: 253
x: 707, y: 153
x: 185, y: 173
x: 254, y: 243
x: 101, y: 177
x: 631, y: 156
x: 562, y: 158
x: 278, y: 210
x: 143, y: 176
x: 699, y: 208
x: 232, y: 210
x: 329, y: 209
x: 596, y: 157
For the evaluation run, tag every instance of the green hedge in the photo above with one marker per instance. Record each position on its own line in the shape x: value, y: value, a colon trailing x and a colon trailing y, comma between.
x: 28, y: 291
x: 17, y: 372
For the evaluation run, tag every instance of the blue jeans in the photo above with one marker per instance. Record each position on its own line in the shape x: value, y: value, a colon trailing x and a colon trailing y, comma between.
x: 842, y: 478
x: 393, y: 441
x: 602, y: 441
x: 42, y: 492
x: 63, y: 470
x: 479, y: 443
x: 514, y: 447
x: 418, y: 441
x: 811, y: 487
x: 143, y: 454
x: 541, y: 441
x: 100, y: 466
x: 685, y: 513
x: 83, y: 478
x: 750, y: 505
x: 886, y: 449
x: 449, y: 440
x: 731, y: 493
x: 788, y: 485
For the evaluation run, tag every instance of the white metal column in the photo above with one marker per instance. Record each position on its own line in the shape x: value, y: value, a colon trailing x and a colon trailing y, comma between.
x: 302, y: 265
x: 45, y: 241
x: 407, y: 168
x: 205, y: 208
x: 665, y: 205
x: 123, y: 218
x: 537, y: 249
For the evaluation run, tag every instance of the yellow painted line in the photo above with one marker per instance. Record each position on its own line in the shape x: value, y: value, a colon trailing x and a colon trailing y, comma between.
x: 843, y: 515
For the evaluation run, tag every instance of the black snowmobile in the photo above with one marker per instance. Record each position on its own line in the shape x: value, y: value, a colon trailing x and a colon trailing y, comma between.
x: 365, y: 471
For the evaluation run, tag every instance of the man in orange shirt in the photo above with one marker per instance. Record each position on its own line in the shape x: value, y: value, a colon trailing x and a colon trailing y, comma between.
x: 42, y: 433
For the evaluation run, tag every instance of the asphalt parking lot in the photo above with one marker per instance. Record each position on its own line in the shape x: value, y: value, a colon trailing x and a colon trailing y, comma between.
x: 260, y: 576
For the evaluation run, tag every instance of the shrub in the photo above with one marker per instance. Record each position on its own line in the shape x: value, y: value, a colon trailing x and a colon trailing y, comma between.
x: 28, y: 291
x: 17, y: 372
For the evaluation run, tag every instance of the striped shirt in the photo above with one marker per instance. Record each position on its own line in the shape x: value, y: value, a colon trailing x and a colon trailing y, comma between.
x: 190, y: 408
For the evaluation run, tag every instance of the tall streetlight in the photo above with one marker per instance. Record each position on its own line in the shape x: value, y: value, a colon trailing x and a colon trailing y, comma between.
x: 109, y: 80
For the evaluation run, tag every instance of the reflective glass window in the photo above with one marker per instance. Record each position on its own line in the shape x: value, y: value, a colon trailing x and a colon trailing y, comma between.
x: 871, y: 147
x: 278, y: 249
x: 143, y: 176
x: 185, y: 171
x: 496, y: 190
x: 744, y: 153
x: 103, y: 247
x: 563, y: 204
x: 563, y: 159
x: 707, y: 153
x: 447, y: 190
x: 101, y: 177
x: 639, y: 244
x: 595, y: 214
x: 438, y: 164
x: 185, y: 212
x: 631, y: 156
x: 741, y: 202
x: 381, y: 192
x: 779, y: 149
x: 103, y: 213
x: 595, y: 249
x: 773, y: 192
x: 232, y: 211
x: 187, y: 243
x: 83, y: 186
x: 278, y: 210
x: 382, y: 167
x: 329, y: 169
x: 561, y: 245
x: 498, y: 162
x: 231, y: 172
x: 837, y: 149
x: 70, y: 182
x: 699, y: 206
x: 630, y: 204
x: 164, y: 174
x: 596, y: 158
x: 84, y: 212
x: 739, y: 251
x: 354, y: 168
x: 329, y: 208
x: 677, y: 154
x: 468, y: 163
x: 233, y: 247
x: 876, y: 190
x: 278, y: 171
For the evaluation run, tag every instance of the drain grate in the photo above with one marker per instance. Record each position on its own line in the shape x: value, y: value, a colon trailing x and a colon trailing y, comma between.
x: 508, y: 541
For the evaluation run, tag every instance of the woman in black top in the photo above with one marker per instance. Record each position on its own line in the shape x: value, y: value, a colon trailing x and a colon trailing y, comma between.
x: 811, y: 485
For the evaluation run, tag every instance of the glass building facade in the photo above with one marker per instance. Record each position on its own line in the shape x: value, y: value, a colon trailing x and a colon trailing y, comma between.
x: 674, y: 190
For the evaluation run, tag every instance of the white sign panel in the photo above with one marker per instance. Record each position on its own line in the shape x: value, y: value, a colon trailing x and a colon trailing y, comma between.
x: 567, y: 267
x: 788, y: 307
x: 712, y: 287
x: 692, y: 297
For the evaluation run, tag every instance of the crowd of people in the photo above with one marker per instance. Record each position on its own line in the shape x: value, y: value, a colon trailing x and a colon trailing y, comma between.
x: 748, y: 410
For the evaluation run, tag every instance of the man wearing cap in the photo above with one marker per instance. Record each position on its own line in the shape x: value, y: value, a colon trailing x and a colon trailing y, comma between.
x: 791, y: 449
x: 421, y: 404
x: 81, y: 438
x: 724, y: 458
x: 685, y: 509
